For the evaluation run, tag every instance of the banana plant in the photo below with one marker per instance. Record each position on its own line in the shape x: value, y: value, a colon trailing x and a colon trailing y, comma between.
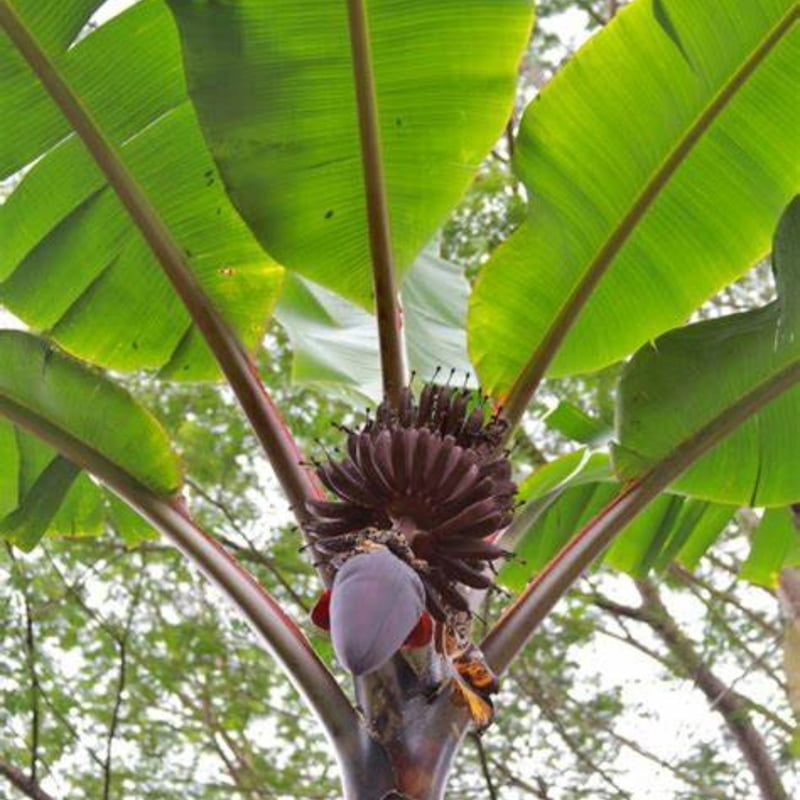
x: 187, y: 166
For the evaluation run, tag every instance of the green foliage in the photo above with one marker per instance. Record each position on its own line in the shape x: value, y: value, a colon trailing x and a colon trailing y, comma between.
x: 73, y: 263
x: 563, y: 495
x: 333, y: 343
x: 492, y: 210
x: 673, y: 387
x: 47, y: 387
x: 62, y: 400
x: 574, y: 423
x: 195, y: 683
x: 660, y: 164
x: 328, y: 335
x: 196, y: 679
x: 775, y: 546
x: 281, y: 122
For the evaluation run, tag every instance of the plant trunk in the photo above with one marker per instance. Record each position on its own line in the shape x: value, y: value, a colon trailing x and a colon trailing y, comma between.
x: 411, y: 738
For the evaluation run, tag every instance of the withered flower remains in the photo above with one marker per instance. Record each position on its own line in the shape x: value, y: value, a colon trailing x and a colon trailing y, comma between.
x: 429, y: 482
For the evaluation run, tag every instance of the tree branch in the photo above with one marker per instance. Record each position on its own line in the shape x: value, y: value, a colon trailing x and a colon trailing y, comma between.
x: 30, y: 647
x: 112, y: 728
x: 627, y: 638
x: 122, y: 645
x: 563, y: 698
x: 720, y: 696
x: 212, y: 725
x: 249, y: 553
x: 682, y: 775
x: 242, y: 773
x: 280, y: 633
x: 19, y: 780
x: 549, y: 709
x: 540, y: 790
x: 720, y: 619
x: 73, y: 591
x: 690, y: 579
x: 620, y: 612
x: 31, y: 662
x: 592, y: 13
x: 387, y: 308
x: 486, y: 771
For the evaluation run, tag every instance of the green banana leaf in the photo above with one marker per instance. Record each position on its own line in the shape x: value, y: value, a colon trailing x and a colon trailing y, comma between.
x: 334, y: 343
x: 577, y: 468
x: 668, y: 393
x: 574, y: 423
x: 72, y: 263
x: 273, y: 85
x: 51, y: 497
x: 775, y: 545
x: 565, y: 494
x: 673, y: 387
x: 664, y: 151
x: 41, y: 491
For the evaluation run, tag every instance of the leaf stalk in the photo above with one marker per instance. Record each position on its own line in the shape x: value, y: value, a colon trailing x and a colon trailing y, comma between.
x: 277, y: 630
x: 387, y: 306
x: 521, y: 619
